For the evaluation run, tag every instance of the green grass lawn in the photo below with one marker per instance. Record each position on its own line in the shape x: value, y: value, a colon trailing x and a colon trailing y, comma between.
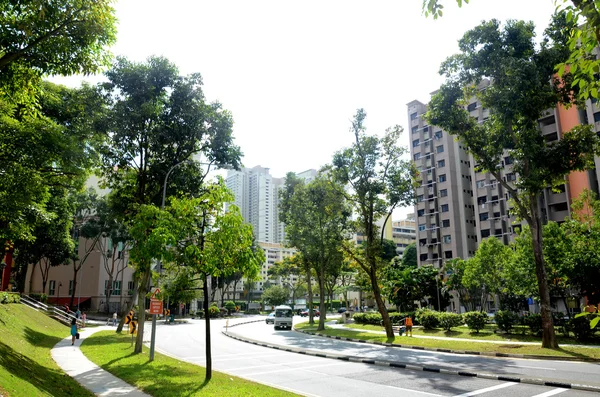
x: 165, y: 376
x: 26, y: 367
x: 562, y: 351
x: 519, y: 334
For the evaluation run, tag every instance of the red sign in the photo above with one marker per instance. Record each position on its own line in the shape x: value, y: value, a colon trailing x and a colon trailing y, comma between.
x: 156, y: 306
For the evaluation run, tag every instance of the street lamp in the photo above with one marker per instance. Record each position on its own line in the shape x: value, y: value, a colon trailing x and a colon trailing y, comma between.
x: 58, y: 297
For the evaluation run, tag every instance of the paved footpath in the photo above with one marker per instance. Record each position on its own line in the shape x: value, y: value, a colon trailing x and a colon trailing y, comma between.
x: 89, y: 375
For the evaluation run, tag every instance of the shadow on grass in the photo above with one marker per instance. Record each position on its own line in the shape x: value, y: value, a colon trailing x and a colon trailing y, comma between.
x: 36, y: 338
x: 50, y: 381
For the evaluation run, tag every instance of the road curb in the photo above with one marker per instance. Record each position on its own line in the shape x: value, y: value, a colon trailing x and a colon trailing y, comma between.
x: 402, y: 365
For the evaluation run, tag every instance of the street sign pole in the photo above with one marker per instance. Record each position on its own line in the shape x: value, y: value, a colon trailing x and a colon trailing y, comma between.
x: 153, y: 337
x: 153, y: 334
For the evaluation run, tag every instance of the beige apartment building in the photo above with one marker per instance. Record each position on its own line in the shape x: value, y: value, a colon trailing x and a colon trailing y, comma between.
x: 404, y: 233
x: 458, y: 206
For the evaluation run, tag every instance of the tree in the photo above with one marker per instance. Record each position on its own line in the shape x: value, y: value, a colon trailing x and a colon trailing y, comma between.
x: 467, y: 296
x: 288, y: 271
x: 275, y: 295
x: 158, y: 121
x: 583, y: 41
x: 213, y: 243
x: 523, y: 88
x: 316, y: 223
x: 409, y: 257
x: 379, y: 181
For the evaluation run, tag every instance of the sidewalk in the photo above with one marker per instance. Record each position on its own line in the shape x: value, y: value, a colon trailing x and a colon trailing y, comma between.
x: 89, y: 375
x: 333, y: 324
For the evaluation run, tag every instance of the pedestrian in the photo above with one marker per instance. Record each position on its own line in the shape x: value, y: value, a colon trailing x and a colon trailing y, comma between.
x: 67, y: 309
x: 409, y: 324
x: 115, y: 319
x: 78, y: 313
x: 83, y: 318
x: 73, y: 331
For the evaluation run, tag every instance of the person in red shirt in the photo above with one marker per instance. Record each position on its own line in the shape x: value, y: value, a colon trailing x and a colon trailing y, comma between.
x: 408, y: 322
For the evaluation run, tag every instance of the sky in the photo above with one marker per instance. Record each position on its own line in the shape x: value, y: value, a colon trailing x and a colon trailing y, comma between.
x: 293, y: 73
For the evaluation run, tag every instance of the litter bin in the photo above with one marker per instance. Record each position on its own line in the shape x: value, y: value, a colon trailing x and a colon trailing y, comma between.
x: 172, y: 318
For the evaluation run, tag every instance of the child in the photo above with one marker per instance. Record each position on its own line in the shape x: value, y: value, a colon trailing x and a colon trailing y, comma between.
x: 73, y: 331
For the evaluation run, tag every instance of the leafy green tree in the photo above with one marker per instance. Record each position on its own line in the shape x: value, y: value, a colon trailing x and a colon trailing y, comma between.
x: 213, y: 243
x: 316, y: 222
x: 523, y: 88
x: 275, y: 295
x: 467, y: 296
x: 403, y: 285
x: 379, y: 181
x: 289, y: 272
x: 583, y: 40
x: 409, y: 257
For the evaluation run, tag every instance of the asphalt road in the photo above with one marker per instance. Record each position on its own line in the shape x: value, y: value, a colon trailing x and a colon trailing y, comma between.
x: 315, y: 376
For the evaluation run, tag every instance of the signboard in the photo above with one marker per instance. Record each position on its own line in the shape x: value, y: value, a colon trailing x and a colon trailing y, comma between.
x: 156, y: 306
x: 129, y: 318
x: 133, y: 327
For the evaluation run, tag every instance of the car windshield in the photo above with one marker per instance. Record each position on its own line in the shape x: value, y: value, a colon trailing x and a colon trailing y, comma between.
x: 283, y: 313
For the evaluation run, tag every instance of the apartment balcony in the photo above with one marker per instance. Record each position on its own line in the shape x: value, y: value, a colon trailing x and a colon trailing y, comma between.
x: 549, y: 129
x: 557, y: 198
x: 558, y: 216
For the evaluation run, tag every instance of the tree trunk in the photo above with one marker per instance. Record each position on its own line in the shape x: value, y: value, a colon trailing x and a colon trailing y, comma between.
x: 389, y: 331
x: 109, y: 291
x: 30, y: 278
x: 208, y: 375
x: 129, y: 306
x: 142, y: 291
x: 310, y: 295
x: 535, y: 224
x: 321, y: 280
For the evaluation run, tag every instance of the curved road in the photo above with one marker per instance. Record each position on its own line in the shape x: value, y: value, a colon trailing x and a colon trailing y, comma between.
x: 315, y: 376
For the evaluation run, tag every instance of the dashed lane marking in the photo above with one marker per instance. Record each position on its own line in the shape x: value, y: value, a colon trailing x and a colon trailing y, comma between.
x: 551, y: 393
x: 270, y: 365
x: 487, y: 389
x: 294, y: 369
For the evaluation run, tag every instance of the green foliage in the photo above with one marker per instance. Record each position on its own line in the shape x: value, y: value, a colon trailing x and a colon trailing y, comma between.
x: 39, y: 297
x: 230, y: 305
x: 475, y: 320
x: 9, y: 297
x: 506, y: 320
x: 580, y: 325
x: 409, y: 256
x: 534, y: 322
x: 428, y: 318
x: 404, y: 286
x: 470, y: 296
x: 214, y: 311
x: 448, y: 320
x: 275, y: 295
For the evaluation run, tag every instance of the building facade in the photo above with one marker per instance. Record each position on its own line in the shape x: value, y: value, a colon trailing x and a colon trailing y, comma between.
x: 404, y: 233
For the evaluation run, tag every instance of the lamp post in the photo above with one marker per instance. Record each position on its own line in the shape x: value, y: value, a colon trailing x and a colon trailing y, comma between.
x: 58, y: 297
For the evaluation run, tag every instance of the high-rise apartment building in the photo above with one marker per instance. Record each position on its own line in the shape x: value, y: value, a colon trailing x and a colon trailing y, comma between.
x: 458, y: 205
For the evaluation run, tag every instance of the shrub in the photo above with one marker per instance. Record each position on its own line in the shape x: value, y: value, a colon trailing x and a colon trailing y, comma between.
x: 449, y: 320
x: 506, y: 320
x: 214, y: 311
x: 230, y: 306
x: 39, y: 297
x: 367, y: 318
x: 534, y: 322
x: 9, y: 297
x: 428, y: 318
x: 475, y: 320
x: 581, y: 328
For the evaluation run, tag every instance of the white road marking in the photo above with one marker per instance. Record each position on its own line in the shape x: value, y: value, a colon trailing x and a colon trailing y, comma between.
x: 551, y: 393
x: 294, y: 369
x: 256, y: 356
x: 487, y: 389
x: 544, y: 368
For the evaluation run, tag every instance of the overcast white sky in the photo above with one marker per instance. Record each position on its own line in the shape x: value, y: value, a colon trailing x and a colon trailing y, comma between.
x: 293, y: 73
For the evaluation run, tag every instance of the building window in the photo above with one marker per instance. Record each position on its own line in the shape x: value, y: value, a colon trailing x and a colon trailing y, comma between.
x: 415, y: 143
x: 443, y: 192
x: 445, y: 208
x: 447, y: 239
x: 130, y: 285
x: 417, y: 156
x: 442, y: 178
x: 51, y: 287
x: 498, y: 232
x: 496, y: 215
x: 480, y: 183
x: 508, y: 160
x: 420, y: 212
x: 419, y: 198
x: 439, y: 149
x: 415, y: 129
x: 413, y: 116
x: 438, y: 135
x: 423, y: 257
x: 484, y: 216
x: 116, y: 288
x: 485, y: 233
x: 441, y: 163
x: 422, y: 227
x: 446, y: 223
x: 597, y: 117
x: 448, y: 254
x: 511, y: 177
x: 472, y: 106
x: 481, y: 200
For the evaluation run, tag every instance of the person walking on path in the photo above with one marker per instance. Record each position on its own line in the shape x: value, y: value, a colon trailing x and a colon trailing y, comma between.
x: 83, y: 318
x: 115, y: 319
x: 73, y: 331
x: 78, y: 314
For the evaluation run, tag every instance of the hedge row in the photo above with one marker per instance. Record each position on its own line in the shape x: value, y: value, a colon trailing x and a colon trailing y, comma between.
x: 375, y: 318
x: 10, y: 297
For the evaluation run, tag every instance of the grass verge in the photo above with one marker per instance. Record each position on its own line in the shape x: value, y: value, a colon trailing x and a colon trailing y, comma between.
x: 165, y: 376
x: 26, y: 366
x: 453, y: 344
x: 519, y: 334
